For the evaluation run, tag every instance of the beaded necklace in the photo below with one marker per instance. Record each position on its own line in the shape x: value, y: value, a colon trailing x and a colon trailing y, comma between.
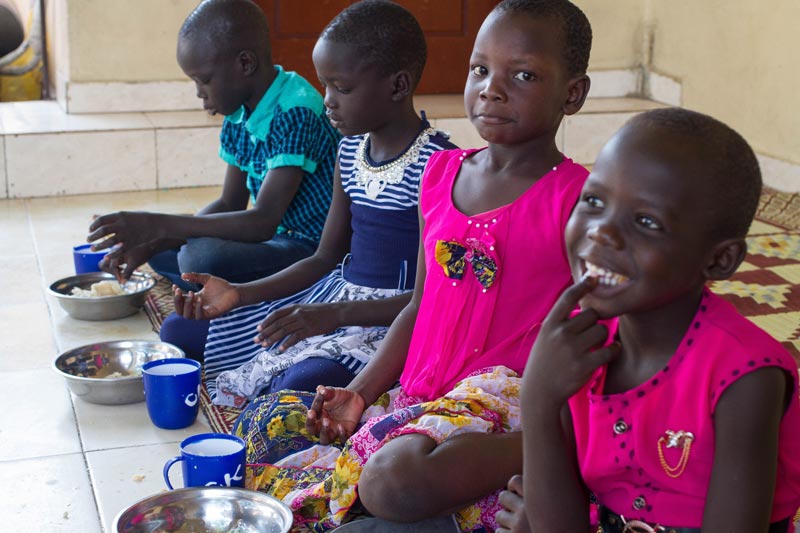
x: 375, y: 179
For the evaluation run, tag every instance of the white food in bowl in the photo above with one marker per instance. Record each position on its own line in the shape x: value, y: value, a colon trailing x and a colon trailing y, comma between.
x: 107, y: 287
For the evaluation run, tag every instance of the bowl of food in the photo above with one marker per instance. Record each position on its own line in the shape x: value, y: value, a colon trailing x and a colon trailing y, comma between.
x: 99, y: 296
x: 208, y: 509
x: 110, y: 373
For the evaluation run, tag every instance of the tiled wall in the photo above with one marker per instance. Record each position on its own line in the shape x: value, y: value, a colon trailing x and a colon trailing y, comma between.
x: 47, y: 152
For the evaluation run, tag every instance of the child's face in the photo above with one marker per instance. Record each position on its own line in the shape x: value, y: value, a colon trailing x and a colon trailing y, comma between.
x: 518, y: 81
x: 639, y: 225
x: 357, y: 98
x: 220, y: 84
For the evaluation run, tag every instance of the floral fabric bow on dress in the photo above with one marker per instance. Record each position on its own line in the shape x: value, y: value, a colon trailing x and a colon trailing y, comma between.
x: 453, y: 258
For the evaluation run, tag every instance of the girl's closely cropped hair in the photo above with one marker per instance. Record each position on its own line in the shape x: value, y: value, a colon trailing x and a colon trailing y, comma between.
x: 387, y: 33
x: 574, y: 25
x: 729, y: 162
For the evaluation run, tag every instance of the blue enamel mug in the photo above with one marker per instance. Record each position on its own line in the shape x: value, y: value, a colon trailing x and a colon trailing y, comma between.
x: 172, y: 392
x: 86, y: 260
x: 210, y: 459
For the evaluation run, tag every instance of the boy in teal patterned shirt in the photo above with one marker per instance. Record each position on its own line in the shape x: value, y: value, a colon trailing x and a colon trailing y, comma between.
x: 280, y: 149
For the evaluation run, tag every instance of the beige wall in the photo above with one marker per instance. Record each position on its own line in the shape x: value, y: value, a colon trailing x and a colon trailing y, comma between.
x: 733, y: 58
x: 737, y: 60
x: 617, y: 28
x: 125, y: 40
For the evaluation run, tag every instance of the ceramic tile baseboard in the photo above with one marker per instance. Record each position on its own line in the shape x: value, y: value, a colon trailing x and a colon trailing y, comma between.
x: 662, y: 88
x: 3, y: 177
x: 188, y: 157
x: 779, y: 174
x: 120, y: 97
x: 78, y: 163
x: 115, y: 97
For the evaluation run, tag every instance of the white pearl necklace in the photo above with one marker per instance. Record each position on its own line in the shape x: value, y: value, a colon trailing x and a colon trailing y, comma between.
x: 375, y: 179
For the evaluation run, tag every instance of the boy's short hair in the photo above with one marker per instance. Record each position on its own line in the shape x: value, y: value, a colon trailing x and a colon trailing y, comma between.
x: 726, y: 161
x: 388, y: 35
x: 574, y: 26
x: 229, y: 26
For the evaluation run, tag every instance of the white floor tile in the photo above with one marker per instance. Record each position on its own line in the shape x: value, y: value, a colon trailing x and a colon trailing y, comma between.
x: 106, y: 427
x: 21, y: 280
x: 42, y: 422
x: 121, y: 477
x: 27, y: 342
x: 46, y: 116
x: 3, y: 180
x: 185, y: 119
x: 49, y: 494
x: 16, y: 237
x: 70, y: 332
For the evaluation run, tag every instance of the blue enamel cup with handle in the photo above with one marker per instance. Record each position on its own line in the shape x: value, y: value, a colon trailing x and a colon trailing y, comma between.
x: 210, y: 459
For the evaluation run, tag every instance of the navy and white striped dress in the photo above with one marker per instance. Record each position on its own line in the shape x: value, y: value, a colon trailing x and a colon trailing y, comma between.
x: 381, y: 264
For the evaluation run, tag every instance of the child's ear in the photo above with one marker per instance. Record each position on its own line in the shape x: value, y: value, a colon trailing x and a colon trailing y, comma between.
x: 577, y: 90
x: 247, y: 62
x: 725, y: 258
x: 401, y: 85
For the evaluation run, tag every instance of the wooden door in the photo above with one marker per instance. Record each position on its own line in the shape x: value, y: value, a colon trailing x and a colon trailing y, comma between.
x: 450, y: 27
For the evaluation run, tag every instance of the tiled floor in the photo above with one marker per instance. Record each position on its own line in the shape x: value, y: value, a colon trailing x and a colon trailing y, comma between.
x: 67, y: 465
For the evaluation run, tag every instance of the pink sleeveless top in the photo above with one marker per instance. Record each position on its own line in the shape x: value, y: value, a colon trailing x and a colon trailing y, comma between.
x: 491, y: 278
x: 619, y: 436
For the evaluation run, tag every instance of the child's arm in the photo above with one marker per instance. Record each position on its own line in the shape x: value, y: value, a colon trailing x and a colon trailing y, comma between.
x: 565, y: 354
x: 746, y: 426
x: 333, y: 246
x: 327, y: 416
x: 300, y: 321
x: 225, y: 218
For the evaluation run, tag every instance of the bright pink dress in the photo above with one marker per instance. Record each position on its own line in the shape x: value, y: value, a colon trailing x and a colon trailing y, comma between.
x: 491, y: 278
x: 619, y: 435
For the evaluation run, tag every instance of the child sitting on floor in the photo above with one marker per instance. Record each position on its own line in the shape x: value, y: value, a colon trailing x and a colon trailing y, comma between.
x: 677, y: 414
x: 322, y: 324
x: 492, y: 263
x: 280, y: 151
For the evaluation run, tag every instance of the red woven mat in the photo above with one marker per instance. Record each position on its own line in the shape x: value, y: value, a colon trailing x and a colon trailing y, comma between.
x: 766, y: 288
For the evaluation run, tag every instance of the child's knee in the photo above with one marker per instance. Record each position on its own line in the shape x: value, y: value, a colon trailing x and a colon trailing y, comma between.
x: 188, y: 335
x: 200, y: 255
x: 393, y: 483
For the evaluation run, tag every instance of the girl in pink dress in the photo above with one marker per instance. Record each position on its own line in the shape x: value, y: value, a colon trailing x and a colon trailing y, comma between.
x: 491, y: 264
x: 679, y: 414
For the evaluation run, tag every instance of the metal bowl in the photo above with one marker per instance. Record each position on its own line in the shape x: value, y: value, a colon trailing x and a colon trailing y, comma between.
x: 206, y: 509
x: 87, y: 369
x: 102, y: 307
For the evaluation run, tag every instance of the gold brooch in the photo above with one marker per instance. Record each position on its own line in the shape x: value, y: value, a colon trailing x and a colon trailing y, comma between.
x: 675, y: 439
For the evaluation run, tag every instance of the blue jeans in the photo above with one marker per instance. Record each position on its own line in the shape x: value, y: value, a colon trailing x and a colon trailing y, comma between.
x: 234, y: 261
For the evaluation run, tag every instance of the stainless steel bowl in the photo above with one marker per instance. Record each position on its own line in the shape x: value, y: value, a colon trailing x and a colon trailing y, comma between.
x: 206, y: 509
x: 102, y: 307
x: 87, y: 369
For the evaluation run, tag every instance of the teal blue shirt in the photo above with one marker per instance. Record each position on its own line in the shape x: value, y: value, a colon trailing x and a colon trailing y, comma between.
x: 288, y: 128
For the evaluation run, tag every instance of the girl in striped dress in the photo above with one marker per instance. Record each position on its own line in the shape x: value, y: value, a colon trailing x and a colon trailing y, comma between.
x: 320, y: 320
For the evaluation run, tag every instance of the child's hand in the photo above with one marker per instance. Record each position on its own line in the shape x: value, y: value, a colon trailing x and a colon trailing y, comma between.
x: 296, y: 322
x: 512, y: 517
x: 216, y: 298
x: 567, y: 350
x: 334, y: 414
x: 128, y: 229
x: 122, y: 263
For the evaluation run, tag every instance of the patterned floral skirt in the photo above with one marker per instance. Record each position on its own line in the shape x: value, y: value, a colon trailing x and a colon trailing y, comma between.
x: 319, y: 483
